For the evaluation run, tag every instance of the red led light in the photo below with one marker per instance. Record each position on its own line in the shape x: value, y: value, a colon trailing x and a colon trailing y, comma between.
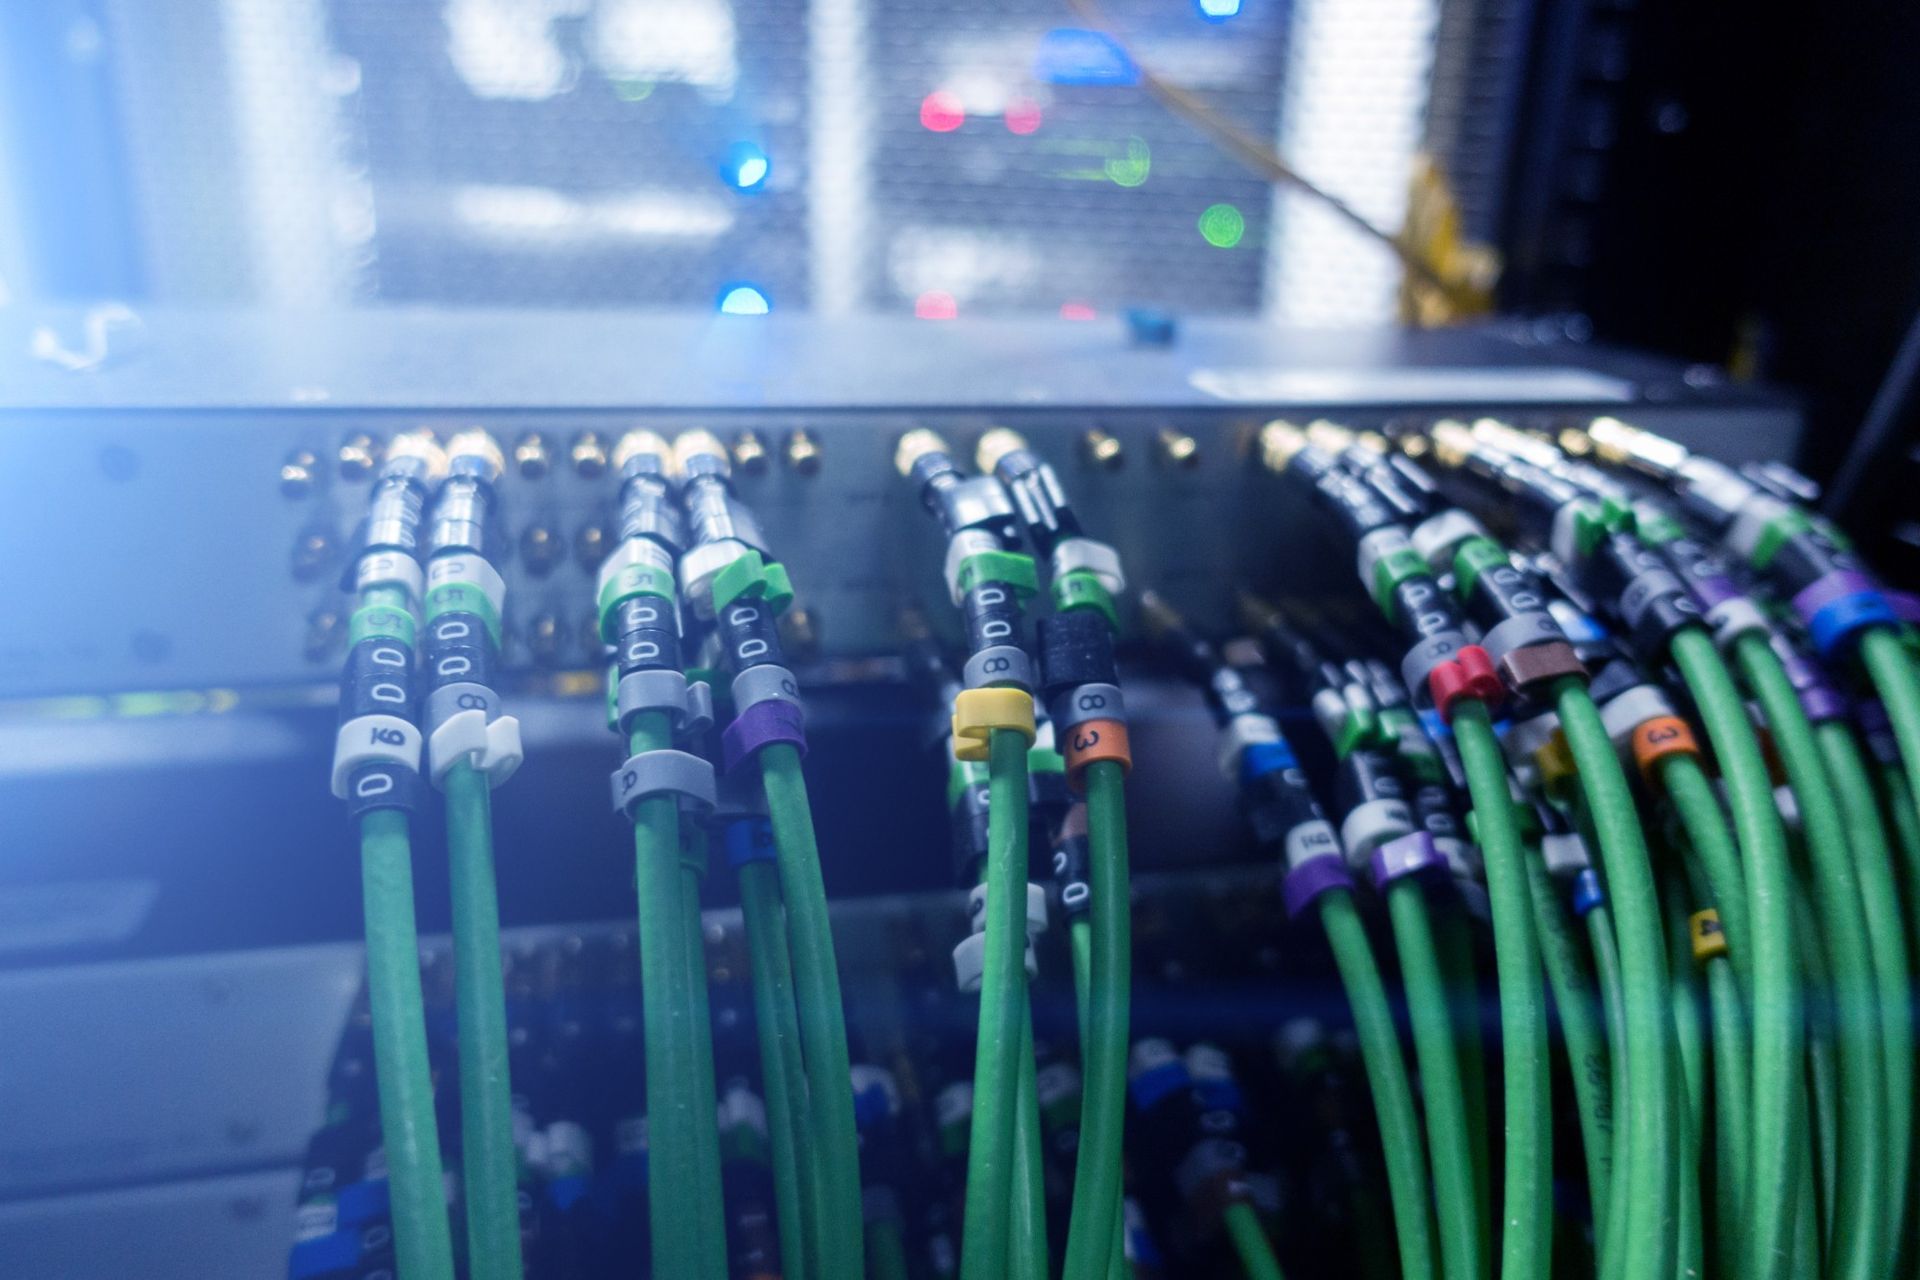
x: 935, y: 305
x: 1076, y: 311
x: 942, y: 112
x: 1023, y: 117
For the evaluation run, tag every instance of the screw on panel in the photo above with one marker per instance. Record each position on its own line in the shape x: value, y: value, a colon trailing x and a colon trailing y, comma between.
x: 296, y: 473
x: 1177, y: 448
x: 803, y: 451
x: 1102, y: 450
x: 359, y: 454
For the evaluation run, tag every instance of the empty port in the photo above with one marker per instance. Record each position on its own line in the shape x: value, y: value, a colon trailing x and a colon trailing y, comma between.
x: 590, y: 546
x: 540, y: 549
x: 589, y: 455
x: 531, y: 456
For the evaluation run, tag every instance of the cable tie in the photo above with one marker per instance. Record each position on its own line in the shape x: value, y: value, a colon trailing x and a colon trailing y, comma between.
x: 1036, y: 909
x: 663, y: 772
x: 1587, y: 893
x: 1731, y: 619
x: 382, y: 785
x: 390, y: 569
x: 997, y: 665
x: 1660, y: 739
x: 970, y: 963
x: 466, y: 568
x: 761, y: 725
x: 376, y: 739
x: 383, y: 621
x: 1622, y: 714
x: 750, y: 576
x: 1413, y: 854
x: 1554, y: 760
x: 1708, y: 938
x: 1838, y: 606
x: 1469, y: 675
x: 1251, y: 736
x: 688, y: 703
x: 1087, y: 702
x: 492, y: 747
x: 748, y: 839
x: 1092, y: 741
x: 1309, y: 880
x: 978, y: 712
x: 1565, y: 854
x: 1426, y: 657
x: 1371, y: 824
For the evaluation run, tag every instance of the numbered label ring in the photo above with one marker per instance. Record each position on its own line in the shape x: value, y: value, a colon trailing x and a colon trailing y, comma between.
x: 1091, y: 741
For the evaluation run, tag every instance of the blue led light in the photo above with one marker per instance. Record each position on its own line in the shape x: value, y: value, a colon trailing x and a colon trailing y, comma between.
x: 744, y: 300
x: 1072, y: 55
x: 1218, y: 10
x: 746, y: 166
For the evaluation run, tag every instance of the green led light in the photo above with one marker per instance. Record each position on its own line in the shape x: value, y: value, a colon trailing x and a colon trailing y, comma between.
x: 1222, y: 225
x: 1130, y: 170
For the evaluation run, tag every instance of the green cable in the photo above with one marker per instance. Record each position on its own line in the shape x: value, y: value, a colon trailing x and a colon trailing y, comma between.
x: 1526, y: 1243
x: 1453, y: 932
x: 1606, y: 968
x: 1250, y: 1242
x: 1080, y: 939
x: 1821, y: 1076
x: 1807, y: 1227
x: 1712, y: 866
x: 1710, y: 842
x: 1861, y: 1240
x: 422, y: 1240
x: 1732, y: 1110
x: 823, y: 1026
x: 1891, y: 669
x: 985, y: 1245
x: 1386, y: 1077
x: 886, y: 1252
x: 1732, y: 1077
x: 1904, y: 818
x: 1435, y: 1052
x: 1897, y: 803
x: 1029, y: 1243
x: 1886, y: 937
x: 1684, y: 997
x: 1654, y: 1130
x: 706, y: 1106
x: 782, y: 1075
x: 1775, y: 1007
x: 1575, y: 999
x: 1093, y: 1224
x: 489, y: 1159
x: 667, y: 1018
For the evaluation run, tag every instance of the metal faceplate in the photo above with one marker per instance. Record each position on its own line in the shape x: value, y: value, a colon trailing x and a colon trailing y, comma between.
x: 150, y: 545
